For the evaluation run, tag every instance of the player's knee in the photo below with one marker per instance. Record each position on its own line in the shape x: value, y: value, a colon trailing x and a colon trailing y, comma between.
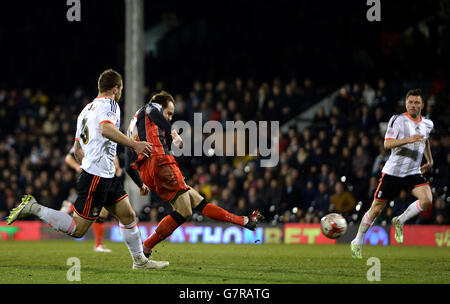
x: 179, y: 218
x: 186, y: 212
x: 201, y: 206
x: 128, y: 217
x: 376, y: 209
x: 78, y: 233
x: 426, y: 203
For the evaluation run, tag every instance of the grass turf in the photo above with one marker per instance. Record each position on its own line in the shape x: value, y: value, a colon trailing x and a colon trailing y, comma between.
x: 45, y: 262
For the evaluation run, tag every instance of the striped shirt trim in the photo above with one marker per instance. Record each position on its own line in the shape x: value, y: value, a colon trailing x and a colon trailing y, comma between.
x: 113, y: 105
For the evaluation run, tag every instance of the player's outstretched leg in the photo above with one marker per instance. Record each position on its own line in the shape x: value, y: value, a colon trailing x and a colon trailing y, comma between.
x: 357, y: 242
x: 356, y: 250
x: 398, y: 229
x: 165, y: 228
x: 253, y: 220
x: 23, y: 210
x: 132, y: 236
x: 413, y: 210
x: 217, y: 213
x: 58, y: 220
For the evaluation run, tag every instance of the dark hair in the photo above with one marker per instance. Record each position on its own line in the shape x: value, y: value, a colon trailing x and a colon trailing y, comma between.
x: 108, y: 80
x: 163, y: 98
x: 415, y: 92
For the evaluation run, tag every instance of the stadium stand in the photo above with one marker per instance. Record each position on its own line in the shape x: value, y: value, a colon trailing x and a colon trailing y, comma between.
x: 331, y: 165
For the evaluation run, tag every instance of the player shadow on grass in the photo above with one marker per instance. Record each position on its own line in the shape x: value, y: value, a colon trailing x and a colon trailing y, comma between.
x: 85, y: 270
x: 213, y: 278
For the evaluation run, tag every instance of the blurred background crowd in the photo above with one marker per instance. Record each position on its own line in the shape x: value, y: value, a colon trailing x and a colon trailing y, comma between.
x: 333, y: 165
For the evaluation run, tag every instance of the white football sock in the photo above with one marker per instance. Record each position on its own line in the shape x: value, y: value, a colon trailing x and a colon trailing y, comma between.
x: 246, y: 220
x: 410, y: 212
x: 58, y: 220
x: 365, y: 224
x: 132, y: 237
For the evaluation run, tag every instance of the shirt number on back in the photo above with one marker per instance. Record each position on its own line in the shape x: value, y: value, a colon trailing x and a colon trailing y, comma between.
x: 84, y: 132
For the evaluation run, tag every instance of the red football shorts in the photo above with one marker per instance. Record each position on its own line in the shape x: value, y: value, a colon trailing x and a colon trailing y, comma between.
x: 162, y: 175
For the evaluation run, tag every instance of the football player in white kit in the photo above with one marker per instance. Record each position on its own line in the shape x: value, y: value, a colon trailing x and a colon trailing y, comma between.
x: 407, y: 136
x: 95, y: 146
x: 67, y: 206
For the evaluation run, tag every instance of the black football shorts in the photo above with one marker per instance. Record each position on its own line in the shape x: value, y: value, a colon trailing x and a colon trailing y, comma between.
x: 92, y: 191
x: 390, y: 186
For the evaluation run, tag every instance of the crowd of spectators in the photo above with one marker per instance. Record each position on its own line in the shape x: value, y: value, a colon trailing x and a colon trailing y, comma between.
x: 331, y: 166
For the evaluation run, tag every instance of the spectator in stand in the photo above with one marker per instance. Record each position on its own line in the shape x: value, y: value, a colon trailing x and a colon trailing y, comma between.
x: 381, y: 94
x: 308, y: 195
x: 379, y: 117
x: 272, y: 111
x: 248, y: 107
x: 320, y: 121
x: 322, y: 200
x: 290, y: 195
x: 339, y: 116
x: 289, y: 101
x: 254, y: 202
x: 241, y: 208
x: 342, y: 201
x: 274, y: 193
x: 440, y: 212
x: 360, y: 185
x: 227, y: 199
x: 342, y: 101
x: 356, y: 93
x: 344, y: 165
x: 399, y: 205
x: 368, y: 95
x: 361, y: 160
x: 379, y: 161
x: 365, y: 120
x: 309, y: 93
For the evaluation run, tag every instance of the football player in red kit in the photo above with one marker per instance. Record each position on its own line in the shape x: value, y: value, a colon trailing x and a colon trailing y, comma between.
x: 160, y: 172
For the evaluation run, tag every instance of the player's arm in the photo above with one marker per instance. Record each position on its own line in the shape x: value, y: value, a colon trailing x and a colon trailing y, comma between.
x: 390, y: 143
x: 391, y: 139
x: 428, y: 157
x: 161, y: 121
x: 78, y: 152
x: 136, y: 177
x: 177, y: 141
x: 117, y: 165
x: 111, y: 132
x: 72, y: 162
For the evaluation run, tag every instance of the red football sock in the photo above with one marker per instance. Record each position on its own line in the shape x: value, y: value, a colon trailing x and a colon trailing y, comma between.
x: 220, y: 214
x: 99, y: 229
x: 164, y: 229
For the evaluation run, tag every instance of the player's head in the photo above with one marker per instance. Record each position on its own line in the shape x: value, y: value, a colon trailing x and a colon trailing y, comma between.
x: 110, y: 83
x: 414, y: 102
x: 167, y: 102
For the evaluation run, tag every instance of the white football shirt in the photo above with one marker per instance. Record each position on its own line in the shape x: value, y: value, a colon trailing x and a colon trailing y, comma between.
x: 99, y: 151
x: 406, y: 160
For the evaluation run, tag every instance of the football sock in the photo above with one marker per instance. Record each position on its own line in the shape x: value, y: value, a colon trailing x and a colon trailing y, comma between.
x: 99, y: 229
x: 220, y: 214
x: 410, y: 212
x: 165, y: 228
x: 365, y: 224
x: 132, y: 238
x: 58, y: 220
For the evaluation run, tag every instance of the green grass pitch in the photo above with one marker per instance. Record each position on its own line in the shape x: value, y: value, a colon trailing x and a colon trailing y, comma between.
x: 45, y: 262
